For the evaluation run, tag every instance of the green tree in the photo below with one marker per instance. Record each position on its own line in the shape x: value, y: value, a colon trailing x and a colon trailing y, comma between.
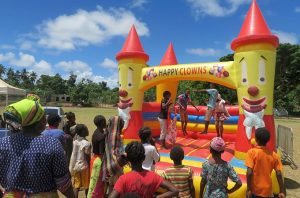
x: 2, y: 71
x: 286, y: 94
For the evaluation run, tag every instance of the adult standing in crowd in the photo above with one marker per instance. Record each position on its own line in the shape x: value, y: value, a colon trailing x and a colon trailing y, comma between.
x: 31, y: 164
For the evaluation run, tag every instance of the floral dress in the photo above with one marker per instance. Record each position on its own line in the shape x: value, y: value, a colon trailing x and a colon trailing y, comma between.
x: 216, y: 176
x: 172, y: 132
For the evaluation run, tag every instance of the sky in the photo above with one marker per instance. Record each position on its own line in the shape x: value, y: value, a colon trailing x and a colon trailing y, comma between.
x: 84, y: 36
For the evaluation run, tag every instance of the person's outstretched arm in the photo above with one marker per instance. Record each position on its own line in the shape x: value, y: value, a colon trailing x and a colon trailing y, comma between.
x: 202, y: 186
x: 191, y: 186
x: 249, y: 180
x: 114, y: 194
x: 172, y: 191
x: 280, y: 182
x: 235, y: 187
x: 193, y: 105
x: 200, y: 90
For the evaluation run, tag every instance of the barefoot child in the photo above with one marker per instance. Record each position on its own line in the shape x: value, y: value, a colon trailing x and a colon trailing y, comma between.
x: 215, y: 173
x: 80, y: 158
x: 179, y: 175
x: 221, y: 114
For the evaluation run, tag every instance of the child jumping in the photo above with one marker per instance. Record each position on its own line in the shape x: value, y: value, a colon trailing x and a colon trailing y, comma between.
x: 151, y: 153
x: 179, y: 175
x: 221, y: 114
x: 80, y: 158
x: 215, y: 173
x: 143, y: 182
x: 260, y: 162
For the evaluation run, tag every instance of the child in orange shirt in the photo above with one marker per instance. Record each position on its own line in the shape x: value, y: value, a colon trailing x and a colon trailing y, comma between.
x: 260, y: 162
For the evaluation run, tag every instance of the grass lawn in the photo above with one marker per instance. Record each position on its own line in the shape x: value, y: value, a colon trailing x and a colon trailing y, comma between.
x: 86, y: 115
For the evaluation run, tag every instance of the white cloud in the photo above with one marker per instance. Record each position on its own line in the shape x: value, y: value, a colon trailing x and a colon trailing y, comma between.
x: 83, y: 70
x: 28, y: 61
x: 43, y: 67
x: 24, y: 60
x: 7, y: 57
x: 26, y: 45
x: 297, y: 9
x: 7, y: 47
x: 68, y: 32
x: 138, y: 3
x: 75, y: 66
x: 286, y: 37
x: 108, y: 63
x: 204, y: 52
x: 216, y: 8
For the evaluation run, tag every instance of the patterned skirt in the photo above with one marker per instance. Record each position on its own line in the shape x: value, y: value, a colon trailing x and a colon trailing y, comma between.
x: 18, y: 194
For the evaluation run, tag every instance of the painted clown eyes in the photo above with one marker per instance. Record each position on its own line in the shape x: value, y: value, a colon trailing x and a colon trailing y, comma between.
x: 244, y: 72
x: 262, y: 71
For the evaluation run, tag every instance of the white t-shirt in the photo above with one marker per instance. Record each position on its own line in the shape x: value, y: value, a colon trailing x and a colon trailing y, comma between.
x: 150, y: 156
x: 80, y: 148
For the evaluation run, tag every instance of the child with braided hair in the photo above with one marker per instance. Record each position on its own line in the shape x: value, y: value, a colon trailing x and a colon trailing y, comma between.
x: 143, y: 182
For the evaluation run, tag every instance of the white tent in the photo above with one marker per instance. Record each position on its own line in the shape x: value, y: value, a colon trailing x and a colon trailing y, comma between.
x: 6, y: 89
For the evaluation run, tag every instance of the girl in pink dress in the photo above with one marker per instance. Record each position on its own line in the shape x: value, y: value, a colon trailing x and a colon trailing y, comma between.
x: 172, y: 132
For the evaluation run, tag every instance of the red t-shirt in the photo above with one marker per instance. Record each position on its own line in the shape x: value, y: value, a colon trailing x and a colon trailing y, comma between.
x: 144, y: 183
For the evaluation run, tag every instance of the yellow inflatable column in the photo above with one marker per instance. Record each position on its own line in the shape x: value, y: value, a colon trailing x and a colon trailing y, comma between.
x: 254, y: 60
x: 131, y: 59
x: 172, y: 85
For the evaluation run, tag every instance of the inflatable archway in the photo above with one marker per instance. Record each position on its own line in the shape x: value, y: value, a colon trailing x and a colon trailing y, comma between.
x: 251, y: 74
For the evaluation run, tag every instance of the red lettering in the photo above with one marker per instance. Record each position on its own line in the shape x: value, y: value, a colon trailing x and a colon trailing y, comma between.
x: 194, y: 70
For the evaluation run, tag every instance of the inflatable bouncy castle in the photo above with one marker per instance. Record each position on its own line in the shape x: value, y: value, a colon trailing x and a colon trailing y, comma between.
x: 251, y: 74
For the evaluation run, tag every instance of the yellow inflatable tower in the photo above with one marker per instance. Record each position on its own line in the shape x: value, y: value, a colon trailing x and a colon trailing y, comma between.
x: 254, y: 61
x: 131, y: 60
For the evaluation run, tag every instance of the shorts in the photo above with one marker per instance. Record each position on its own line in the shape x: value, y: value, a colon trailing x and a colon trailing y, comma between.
x: 81, y: 179
x: 183, y: 115
x: 209, y: 112
x: 220, y: 116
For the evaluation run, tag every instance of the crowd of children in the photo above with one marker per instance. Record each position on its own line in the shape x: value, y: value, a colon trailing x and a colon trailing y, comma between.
x: 97, y: 167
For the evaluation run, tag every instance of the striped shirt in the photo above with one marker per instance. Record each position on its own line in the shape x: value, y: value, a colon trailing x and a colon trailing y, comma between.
x: 179, y: 176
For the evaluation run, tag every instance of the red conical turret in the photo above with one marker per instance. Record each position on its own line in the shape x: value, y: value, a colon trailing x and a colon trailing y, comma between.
x: 169, y: 57
x: 132, y: 47
x: 254, y: 29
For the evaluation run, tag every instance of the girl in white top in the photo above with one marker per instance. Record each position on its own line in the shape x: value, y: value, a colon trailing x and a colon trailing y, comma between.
x: 80, y: 158
x: 151, y: 152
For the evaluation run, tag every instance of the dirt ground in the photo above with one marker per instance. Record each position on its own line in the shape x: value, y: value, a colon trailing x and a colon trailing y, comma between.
x: 291, y: 176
